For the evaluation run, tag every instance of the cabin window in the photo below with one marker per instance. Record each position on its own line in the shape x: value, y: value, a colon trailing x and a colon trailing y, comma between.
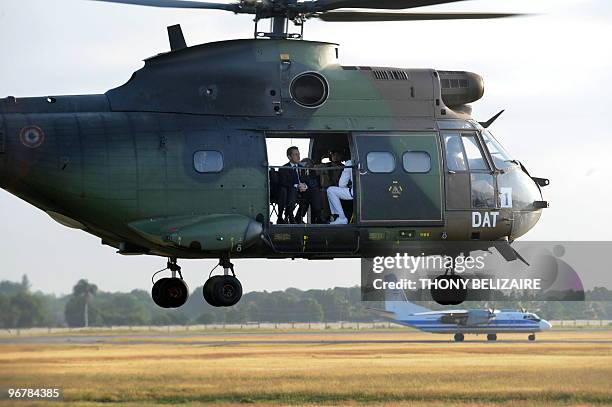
x: 380, y: 162
x: 500, y: 156
x: 208, y: 161
x: 455, y: 157
x: 474, y: 155
x: 416, y: 161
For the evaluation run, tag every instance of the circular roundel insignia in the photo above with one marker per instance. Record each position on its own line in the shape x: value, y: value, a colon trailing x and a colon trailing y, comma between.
x: 32, y: 136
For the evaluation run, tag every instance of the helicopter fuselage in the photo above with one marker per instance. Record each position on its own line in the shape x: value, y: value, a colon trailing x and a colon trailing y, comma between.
x: 126, y: 165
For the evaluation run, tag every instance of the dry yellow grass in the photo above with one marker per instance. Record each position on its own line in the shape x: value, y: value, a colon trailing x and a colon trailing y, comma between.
x: 385, y: 368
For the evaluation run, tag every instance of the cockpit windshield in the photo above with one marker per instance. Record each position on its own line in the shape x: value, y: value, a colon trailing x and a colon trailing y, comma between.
x: 532, y: 317
x: 501, y: 157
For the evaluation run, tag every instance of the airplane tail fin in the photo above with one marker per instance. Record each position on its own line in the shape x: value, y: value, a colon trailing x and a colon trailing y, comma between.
x: 397, y: 303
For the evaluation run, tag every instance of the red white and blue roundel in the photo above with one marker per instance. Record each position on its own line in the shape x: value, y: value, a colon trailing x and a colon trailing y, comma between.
x: 32, y: 136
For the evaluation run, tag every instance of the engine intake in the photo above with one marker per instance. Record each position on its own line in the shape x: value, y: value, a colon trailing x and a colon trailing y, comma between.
x: 460, y: 87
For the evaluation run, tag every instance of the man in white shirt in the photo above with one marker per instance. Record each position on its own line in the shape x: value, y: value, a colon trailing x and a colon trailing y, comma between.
x: 344, y: 191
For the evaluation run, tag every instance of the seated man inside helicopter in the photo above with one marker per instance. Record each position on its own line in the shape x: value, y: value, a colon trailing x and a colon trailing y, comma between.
x: 335, y: 165
x: 344, y: 191
x: 329, y: 176
x: 297, y: 184
x: 313, y: 182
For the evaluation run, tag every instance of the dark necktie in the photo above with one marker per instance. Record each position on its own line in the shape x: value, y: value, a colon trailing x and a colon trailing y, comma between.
x: 296, y: 173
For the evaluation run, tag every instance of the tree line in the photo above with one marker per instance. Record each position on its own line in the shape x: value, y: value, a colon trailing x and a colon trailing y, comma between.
x: 88, y: 306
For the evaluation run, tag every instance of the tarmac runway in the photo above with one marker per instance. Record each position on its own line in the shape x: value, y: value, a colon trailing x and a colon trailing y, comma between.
x: 289, y: 338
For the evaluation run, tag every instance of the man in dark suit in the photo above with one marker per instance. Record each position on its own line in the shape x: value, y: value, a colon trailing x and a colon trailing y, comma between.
x: 294, y: 183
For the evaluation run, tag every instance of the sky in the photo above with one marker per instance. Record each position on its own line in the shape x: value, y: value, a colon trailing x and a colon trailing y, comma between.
x: 551, y: 71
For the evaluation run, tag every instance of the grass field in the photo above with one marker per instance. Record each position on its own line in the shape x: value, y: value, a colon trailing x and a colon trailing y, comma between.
x: 392, y: 367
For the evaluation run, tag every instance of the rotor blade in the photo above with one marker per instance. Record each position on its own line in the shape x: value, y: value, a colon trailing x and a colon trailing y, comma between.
x: 349, y: 16
x: 178, y: 4
x: 323, y: 5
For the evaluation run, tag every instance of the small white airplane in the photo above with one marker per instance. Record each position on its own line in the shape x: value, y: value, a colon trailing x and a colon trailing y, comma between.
x: 460, y: 322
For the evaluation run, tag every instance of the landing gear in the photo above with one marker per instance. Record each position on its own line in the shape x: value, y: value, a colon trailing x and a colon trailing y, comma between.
x: 459, y: 337
x: 531, y: 337
x: 443, y: 294
x: 170, y: 292
x: 225, y: 290
x: 491, y: 337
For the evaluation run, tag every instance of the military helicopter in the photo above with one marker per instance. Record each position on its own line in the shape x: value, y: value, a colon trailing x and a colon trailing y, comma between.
x: 174, y: 163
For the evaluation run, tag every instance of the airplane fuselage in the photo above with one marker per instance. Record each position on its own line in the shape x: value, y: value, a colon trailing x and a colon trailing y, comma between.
x: 501, y: 322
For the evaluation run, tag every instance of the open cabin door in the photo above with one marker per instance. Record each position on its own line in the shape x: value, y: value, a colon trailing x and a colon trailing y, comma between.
x: 309, y: 240
x: 400, y: 178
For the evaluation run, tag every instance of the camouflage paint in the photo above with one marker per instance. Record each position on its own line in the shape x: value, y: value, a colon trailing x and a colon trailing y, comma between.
x: 120, y: 165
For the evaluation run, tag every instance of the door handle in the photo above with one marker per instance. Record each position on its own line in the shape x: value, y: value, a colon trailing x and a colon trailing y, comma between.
x: 452, y: 172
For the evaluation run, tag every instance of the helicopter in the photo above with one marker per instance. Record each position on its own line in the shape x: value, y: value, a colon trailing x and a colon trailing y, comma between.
x: 174, y: 163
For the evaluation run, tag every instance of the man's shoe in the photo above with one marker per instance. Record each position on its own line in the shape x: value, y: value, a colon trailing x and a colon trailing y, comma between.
x: 340, y: 221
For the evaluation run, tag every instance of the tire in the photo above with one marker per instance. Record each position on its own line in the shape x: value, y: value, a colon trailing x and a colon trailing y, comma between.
x: 226, y: 291
x: 207, y: 290
x: 449, y: 296
x: 459, y: 337
x: 491, y: 337
x: 531, y: 337
x: 156, y: 293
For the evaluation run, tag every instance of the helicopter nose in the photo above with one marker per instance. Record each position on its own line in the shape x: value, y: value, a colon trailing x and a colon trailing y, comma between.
x: 545, y: 325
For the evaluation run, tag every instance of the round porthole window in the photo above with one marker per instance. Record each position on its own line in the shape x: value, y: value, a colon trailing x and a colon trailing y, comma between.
x: 309, y: 89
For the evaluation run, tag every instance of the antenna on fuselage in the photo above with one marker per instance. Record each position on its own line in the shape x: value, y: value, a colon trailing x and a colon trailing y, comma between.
x: 491, y: 120
x: 176, y: 37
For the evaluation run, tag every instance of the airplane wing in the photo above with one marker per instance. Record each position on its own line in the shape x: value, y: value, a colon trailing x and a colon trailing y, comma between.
x: 462, y: 317
x: 457, y: 312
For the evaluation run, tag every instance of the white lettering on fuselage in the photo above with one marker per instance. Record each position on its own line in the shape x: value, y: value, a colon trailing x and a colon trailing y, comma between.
x: 484, y: 220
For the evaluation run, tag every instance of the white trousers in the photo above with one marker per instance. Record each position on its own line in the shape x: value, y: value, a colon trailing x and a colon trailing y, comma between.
x: 334, y: 195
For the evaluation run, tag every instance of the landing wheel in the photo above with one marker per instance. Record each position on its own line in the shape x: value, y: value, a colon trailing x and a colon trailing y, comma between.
x: 449, y: 296
x: 459, y: 337
x: 170, y: 292
x: 225, y: 290
x: 222, y: 291
x: 531, y: 337
x: 491, y: 337
x: 208, y: 291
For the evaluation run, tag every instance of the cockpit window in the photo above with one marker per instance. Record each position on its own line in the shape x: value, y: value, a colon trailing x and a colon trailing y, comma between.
x: 473, y: 153
x: 464, y: 153
x: 483, y: 191
x: 455, y: 125
x: 532, y: 317
x: 455, y: 158
x: 500, y: 156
